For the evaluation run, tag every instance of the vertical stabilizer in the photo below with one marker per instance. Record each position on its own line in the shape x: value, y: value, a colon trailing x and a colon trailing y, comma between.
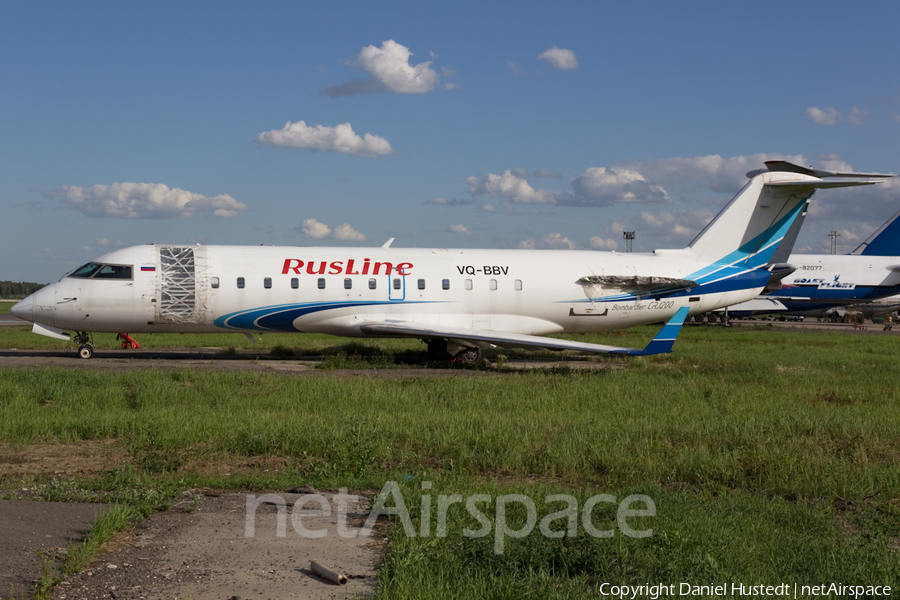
x: 755, y: 221
x: 749, y: 230
x: 884, y: 242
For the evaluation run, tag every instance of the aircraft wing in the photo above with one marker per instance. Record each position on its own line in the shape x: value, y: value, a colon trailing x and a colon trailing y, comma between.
x: 807, y: 299
x: 660, y: 344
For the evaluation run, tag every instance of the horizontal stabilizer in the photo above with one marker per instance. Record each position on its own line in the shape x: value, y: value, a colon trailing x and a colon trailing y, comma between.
x: 789, y: 167
x: 660, y: 344
x: 821, y: 184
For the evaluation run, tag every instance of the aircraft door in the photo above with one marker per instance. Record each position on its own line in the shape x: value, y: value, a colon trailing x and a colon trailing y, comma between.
x: 177, y: 289
x: 396, y: 287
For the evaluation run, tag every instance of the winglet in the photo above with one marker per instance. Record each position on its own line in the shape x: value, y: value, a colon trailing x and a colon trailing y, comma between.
x: 665, y: 339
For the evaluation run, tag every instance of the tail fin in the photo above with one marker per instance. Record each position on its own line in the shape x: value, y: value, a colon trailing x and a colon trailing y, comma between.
x: 884, y: 242
x: 750, y: 228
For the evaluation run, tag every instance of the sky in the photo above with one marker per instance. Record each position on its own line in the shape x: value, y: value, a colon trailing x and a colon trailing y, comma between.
x: 465, y: 125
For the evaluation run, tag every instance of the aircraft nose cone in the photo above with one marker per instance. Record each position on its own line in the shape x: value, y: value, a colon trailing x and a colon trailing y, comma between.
x: 24, y: 309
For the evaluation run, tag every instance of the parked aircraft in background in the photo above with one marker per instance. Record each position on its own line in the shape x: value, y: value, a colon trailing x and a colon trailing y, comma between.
x: 821, y: 282
x: 458, y: 301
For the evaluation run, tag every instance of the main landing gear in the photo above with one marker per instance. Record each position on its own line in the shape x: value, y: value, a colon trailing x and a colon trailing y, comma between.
x: 85, y: 350
x: 465, y: 355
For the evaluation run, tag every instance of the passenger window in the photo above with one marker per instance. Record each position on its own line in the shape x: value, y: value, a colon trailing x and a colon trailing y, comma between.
x: 113, y: 272
x: 295, y: 283
x: 321, y: 283
x: 214, y: 282
x: 445, y: 284
x: 397, y: 283
x: 468, y: 284
x: 240, y: 283
x: 267, y: 283
x: 372, y: 284
x: 348, y: 284
x: 518, y: 285
x: 421, y: 284
x: 493, y: 284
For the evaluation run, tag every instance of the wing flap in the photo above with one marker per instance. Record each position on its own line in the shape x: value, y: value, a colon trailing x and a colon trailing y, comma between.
x: 660, y: 344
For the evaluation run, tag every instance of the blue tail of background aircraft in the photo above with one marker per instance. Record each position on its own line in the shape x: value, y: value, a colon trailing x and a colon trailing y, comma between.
x: 884, y: 242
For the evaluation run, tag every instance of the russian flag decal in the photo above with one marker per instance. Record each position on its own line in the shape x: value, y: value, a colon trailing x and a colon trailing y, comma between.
x: 148, y: 268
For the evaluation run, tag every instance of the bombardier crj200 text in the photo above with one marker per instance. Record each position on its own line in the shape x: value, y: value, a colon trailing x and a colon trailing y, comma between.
x: 458, y: 301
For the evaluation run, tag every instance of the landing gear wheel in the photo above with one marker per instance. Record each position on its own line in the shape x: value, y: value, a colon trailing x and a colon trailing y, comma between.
x: 85, y: 351
x: 469, y: 356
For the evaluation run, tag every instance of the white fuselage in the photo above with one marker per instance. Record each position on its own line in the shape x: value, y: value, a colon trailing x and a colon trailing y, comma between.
x: 335, y: 290
x: 843, y: 271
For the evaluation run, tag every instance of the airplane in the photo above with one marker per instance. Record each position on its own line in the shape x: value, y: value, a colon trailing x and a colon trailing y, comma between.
x: 818, y: 283
x: 457, y: 301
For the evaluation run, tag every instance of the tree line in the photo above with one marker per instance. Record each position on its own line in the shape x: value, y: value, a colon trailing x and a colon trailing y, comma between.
x: 18, y: 289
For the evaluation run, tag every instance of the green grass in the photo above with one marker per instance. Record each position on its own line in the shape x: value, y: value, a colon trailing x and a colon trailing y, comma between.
x: 6, y: 307
x: 80, y: 554
x: 771, y: 455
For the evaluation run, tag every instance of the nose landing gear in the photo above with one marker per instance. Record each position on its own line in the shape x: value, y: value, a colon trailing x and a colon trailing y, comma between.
x: 85, y: 350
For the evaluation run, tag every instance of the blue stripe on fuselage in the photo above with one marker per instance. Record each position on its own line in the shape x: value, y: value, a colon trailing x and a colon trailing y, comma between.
x: 281, y: 317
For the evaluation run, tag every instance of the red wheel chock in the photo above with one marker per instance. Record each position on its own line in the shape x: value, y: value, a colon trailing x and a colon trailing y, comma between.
x: 127, y: 340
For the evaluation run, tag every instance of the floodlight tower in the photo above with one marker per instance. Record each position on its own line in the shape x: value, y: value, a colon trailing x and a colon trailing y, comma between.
x: 834, y: 235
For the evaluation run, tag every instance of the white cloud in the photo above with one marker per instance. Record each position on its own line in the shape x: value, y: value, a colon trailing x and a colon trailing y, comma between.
x: 103, y: 242
x: 445, y: 202
x: 560, y: 58
x: 510, y: 188
x: 826, y: 116
x: 894, y: 117
x: 487, y: 207
x: 551, y: 241
x: 328, y: 139
x: 312, y: 228
x: 598, y: 243
x: 389, y: 70
x: 671, y: 229
x: 460, y: 229
x: 146, y: 201
x: 345, y: 232
x: 448, y: 73
x: 390, y: 65
x: 599, y: 186
x: 857, y: 116
x: 833, y: 162
x: 725, y: 175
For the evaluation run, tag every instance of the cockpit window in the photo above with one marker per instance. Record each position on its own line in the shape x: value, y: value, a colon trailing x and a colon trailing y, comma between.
x: 100, y: 271
x: 86, y: 271
x: 113, y: 272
